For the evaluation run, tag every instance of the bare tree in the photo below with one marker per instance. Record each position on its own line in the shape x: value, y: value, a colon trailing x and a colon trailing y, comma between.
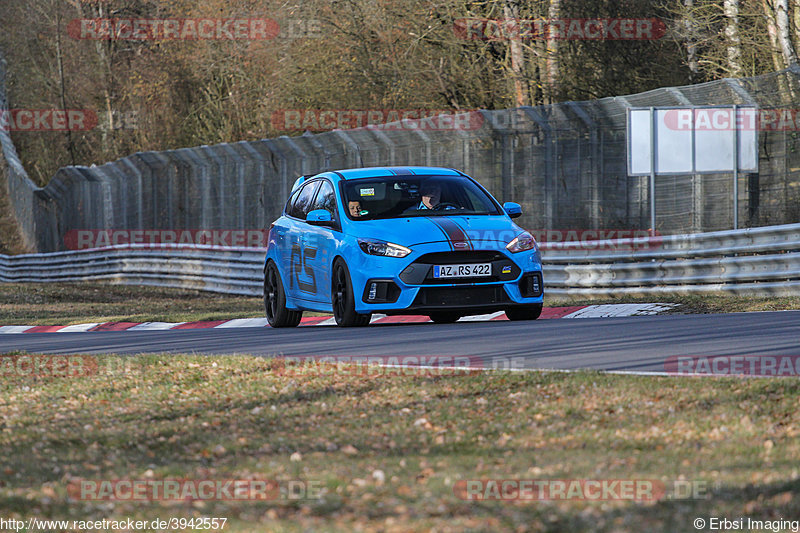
x: 772, y: 31
x: 691, y: 38
x: 784, y: 38
x: 511, y: 12
x: 553, y: 12
x: 731, y: 9
x: 796, y: 22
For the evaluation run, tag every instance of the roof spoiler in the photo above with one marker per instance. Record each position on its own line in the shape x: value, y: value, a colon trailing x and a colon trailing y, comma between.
x: 301, y: 180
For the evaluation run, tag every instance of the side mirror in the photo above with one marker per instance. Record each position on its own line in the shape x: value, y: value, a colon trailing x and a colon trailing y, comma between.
x: 513, y: 209
x: 319, y: 217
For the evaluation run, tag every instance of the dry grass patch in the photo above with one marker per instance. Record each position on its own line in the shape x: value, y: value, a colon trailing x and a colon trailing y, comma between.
x: 387, y: 450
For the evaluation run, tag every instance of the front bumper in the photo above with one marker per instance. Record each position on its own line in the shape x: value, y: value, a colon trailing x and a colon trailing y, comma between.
x: 402, y: 286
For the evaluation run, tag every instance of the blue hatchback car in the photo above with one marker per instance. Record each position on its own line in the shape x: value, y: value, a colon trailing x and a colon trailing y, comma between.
x: 406, y: 240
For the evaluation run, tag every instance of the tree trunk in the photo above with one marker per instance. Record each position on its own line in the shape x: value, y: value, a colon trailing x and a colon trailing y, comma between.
x: 104, y: 51
x: 779, y: 54
x: 784, y: 38
x: 731, y: 8
x: 511, y: 12
x: 691, y: 37
x: 63, y: 88
x: 796, y: 23
x: 553, y: 13
x: 772, y: 31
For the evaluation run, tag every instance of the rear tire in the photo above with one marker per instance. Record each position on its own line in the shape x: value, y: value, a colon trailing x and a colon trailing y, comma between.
x: 344, y: 303
x: 524, y: 312
x: 444, y: 317
x: 275, y: 301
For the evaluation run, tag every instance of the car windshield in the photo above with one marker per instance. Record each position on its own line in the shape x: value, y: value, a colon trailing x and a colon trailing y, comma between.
x: 410, y: 196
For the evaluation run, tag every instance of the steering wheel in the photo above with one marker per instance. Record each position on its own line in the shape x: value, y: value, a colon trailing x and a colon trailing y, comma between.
x: 445, y: 205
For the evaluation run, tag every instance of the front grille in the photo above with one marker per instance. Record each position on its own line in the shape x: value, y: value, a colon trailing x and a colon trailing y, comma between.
x: 473, y: 296
x: 467, y: 256
x: 420, y: 272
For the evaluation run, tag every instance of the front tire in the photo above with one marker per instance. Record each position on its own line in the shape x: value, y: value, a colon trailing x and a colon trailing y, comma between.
x: 278, y: 315
x: 524, y: 312
x: 344, y: 303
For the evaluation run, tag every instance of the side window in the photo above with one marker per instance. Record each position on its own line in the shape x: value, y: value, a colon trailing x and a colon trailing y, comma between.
x: 292, y: 198
x: 326, y: 199
x: 302, y: 204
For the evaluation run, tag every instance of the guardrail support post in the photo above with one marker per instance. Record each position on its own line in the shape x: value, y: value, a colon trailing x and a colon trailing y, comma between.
x: 652, y: 172
x: 735, y: 167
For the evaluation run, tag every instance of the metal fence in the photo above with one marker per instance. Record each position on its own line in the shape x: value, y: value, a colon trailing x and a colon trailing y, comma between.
x: 761, y: 262
x: 565, y: 163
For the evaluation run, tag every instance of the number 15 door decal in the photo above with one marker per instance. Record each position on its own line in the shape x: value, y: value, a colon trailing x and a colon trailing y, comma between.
x: 302, y: 271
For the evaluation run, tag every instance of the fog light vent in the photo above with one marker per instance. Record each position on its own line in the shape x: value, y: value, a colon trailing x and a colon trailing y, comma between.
x: 531, y: 286
x: 380, y: 291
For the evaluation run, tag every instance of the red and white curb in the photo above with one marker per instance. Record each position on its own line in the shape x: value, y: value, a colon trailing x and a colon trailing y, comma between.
x: 581, y: 311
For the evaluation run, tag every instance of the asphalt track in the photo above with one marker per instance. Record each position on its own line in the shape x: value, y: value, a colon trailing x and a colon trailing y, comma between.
x: 638, y: 344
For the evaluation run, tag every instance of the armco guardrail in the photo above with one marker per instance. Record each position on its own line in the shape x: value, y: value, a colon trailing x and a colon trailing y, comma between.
x: 216, y: 269
x: 758, y: 261
x: 752, y: 261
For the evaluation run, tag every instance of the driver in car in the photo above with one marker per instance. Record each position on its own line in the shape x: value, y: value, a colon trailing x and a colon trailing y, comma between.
x: 431, y: 194
x: 431, y: 197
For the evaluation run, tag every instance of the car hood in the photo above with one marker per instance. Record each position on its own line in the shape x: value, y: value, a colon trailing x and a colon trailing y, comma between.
x: 476, y: 231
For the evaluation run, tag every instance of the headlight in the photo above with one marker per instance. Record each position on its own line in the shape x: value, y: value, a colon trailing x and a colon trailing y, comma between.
x: 386, y: 249
x: 521, y: 243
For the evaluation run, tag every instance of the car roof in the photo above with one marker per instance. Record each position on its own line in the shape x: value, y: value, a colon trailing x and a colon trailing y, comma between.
x: 375, y: 172
x: 378, y: 172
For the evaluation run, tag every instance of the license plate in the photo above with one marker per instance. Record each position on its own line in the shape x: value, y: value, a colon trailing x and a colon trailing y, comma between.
x: 474, y: 270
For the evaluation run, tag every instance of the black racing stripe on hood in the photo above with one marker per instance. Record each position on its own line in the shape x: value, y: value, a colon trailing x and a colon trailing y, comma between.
x: 455, y: 234
x: 444, y: 231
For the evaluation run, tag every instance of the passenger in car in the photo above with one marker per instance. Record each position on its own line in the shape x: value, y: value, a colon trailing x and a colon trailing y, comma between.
x: 354, y: 206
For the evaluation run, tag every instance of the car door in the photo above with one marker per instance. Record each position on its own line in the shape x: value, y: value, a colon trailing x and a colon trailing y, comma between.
x: 301, y: 283
x: 279, y: 237
x: 319, y: 244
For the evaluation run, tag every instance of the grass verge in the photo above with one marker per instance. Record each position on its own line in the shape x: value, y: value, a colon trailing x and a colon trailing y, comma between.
x: 80, y: 303
x: 77, y: 303
x: 386, y: 451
